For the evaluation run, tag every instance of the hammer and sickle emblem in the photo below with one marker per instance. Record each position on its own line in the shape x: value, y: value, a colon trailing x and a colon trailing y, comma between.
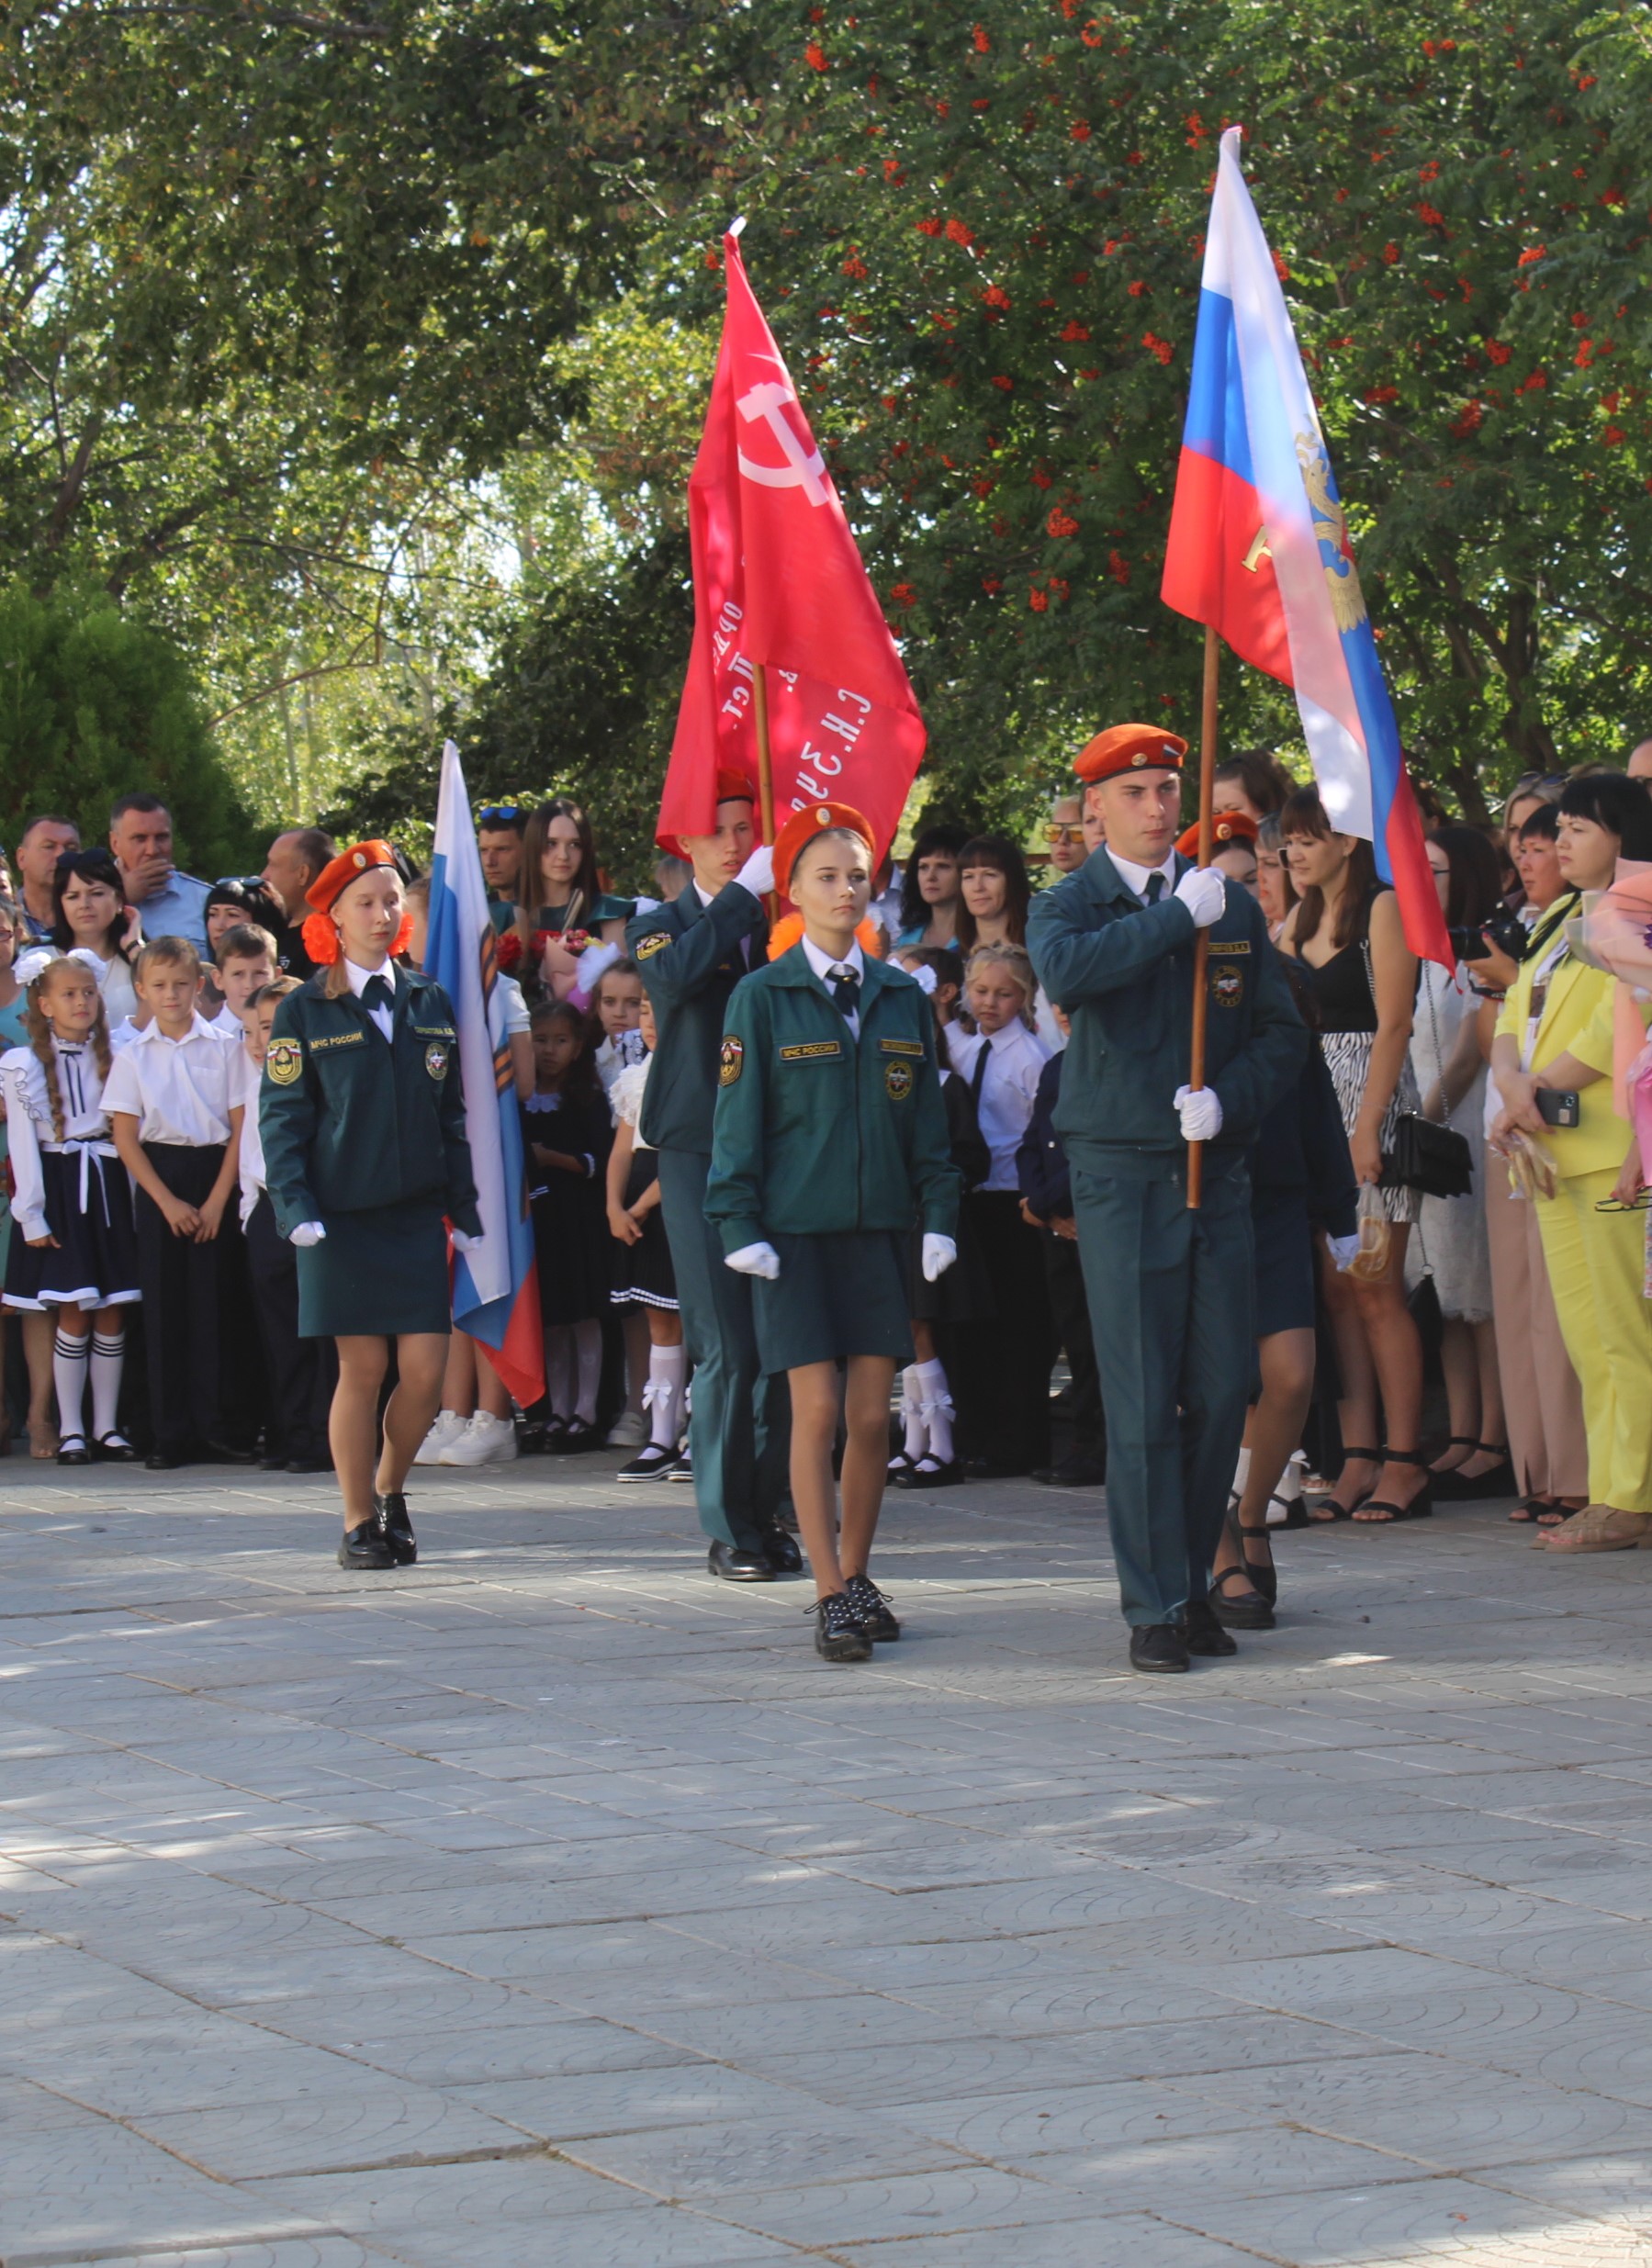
x: 804, y: 470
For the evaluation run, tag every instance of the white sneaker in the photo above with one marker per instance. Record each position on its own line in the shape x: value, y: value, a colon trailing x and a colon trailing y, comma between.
x: 485, y: 1441
x: 630, y: 1430
x: 447, y: 1428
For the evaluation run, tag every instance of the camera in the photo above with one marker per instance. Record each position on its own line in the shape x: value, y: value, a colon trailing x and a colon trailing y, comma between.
x: 1504, y: 932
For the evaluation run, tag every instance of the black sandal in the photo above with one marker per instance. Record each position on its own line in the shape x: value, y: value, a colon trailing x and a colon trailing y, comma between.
x: 1345, y: 1511
x: 1421, y: 1505
x: 1264, y: 1575
x: 1455, y: 1441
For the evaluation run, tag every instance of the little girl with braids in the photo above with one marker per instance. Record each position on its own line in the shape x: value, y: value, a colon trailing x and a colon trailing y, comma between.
x: 74, y: 1249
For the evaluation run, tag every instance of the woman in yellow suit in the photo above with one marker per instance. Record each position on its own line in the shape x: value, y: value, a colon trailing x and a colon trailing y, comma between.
x: 1554, y: 1038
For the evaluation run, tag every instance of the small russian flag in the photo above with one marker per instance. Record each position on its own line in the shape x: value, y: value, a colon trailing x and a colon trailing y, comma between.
x: 1259, y: 550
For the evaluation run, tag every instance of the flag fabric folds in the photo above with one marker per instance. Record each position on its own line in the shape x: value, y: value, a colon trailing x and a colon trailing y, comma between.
x: 778, y: 582
x: 494, y: 1287
x: 1259, y: 549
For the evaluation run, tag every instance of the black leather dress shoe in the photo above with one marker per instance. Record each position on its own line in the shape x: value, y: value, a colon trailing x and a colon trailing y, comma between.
x: 1201, y: 1632
x: 781, y: 1552
x: 163, y: 1461
x: 395, y: 1528
x: 737, y: 1566
x: 307, y: 1465
x: 365, y: 1547
x: 1158, y: 1646
x: 1075, y: 1472
x: 220, y: 1453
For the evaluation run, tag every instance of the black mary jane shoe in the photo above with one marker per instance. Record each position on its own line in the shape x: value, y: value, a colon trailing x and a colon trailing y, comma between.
x: 737, y: 1566
x: 1158, y: 1647
x: 1421, y: 1505
x: 1201, y: 1632
x: 395, y: 1528
x: 876, y: 1616
x: 1262, y: 1573
x: 1243, y: 1607
x: 72, y: 1450
x: 574, y: 1440
x: 840, y: 1633
x: 782, y: 1551
x: 650, y: 1463
x: 929, y: 1472
x: 113, y: 1448
x: 365, y: 1549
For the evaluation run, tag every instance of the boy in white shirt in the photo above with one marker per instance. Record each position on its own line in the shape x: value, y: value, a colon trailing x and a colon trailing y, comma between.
x: 247, y: 960
x: 177, y: 1130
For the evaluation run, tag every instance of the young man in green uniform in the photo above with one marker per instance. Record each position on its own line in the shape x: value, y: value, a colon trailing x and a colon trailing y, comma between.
x: 691, y: 954
x: 1169, y: 1289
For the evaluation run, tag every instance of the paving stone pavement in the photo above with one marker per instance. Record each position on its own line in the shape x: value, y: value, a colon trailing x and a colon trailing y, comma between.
x: 549, y: 1902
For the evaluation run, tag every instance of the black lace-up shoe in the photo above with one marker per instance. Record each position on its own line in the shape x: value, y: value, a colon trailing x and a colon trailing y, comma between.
x: 839, y: 1634
x: 395, y: 1528
x: 1158, y: 1646
x: 781, y: 1552
x: 365, y: 1547
x: 873, y: 1609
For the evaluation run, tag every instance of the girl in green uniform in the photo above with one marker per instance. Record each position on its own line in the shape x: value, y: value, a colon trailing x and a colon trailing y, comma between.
x: 829, y: 1146
x: 363, y: 1121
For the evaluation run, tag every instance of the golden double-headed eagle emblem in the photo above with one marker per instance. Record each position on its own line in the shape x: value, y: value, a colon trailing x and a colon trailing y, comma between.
x: 1330, y: 532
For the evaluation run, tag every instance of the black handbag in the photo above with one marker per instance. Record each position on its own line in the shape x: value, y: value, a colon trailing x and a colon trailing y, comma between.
x: 1434, y: 1159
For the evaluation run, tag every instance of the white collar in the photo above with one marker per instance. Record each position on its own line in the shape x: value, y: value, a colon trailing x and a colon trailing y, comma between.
x: 704, y: 896
x: 197, y: 1025
x: 820, y: 963
x: 1137, y: 876
x: 358, y: 979
x: 1006, y: 1034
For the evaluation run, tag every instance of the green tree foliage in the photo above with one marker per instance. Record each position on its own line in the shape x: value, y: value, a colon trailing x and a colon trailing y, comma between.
x: 94, y: 704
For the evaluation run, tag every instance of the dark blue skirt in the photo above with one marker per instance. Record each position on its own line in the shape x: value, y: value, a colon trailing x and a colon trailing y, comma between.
x: 1285, y: 1263
x: 377, y: 1275
x: 95, y: 1261
x: 836, y: 1296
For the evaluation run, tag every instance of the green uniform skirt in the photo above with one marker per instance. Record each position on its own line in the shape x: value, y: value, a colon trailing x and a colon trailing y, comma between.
x: 376, y: 1274
x: 836, y: 1296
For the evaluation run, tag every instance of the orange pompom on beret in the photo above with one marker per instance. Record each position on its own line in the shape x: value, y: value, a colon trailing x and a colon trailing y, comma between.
x: 790, y: 927
x: 320, y: 936
x: 1129, y: 747
x: 804, y: 824
x: 1227, y: 826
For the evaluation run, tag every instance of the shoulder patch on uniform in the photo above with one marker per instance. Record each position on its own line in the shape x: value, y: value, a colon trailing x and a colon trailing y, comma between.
x: 902, y: 1046
x: 285, y: 1061
x: 646, y: 948
x: 897, y: 1080
x: 731, y: 1055
x: 1227, y: 988
x: 807, y: 1049
x: 1229, y: 945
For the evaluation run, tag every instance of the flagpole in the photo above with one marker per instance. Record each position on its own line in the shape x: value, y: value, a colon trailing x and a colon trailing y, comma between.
x: 1201, y: 950
x: 759, y: 717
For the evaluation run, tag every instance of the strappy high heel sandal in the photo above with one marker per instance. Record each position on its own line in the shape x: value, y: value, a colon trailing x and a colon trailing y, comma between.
x: 1320, y: 1519
x: 1421, y: 1505
x: 1454, y: 1440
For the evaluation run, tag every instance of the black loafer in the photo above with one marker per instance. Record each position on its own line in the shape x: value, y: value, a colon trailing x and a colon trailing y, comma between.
x: 163, y: 1461
x: 871, y: 1609
x: 365, y: 1547
x: 1201, y: 1632
x: 395, y: 1528
x: 737, y: 1566
x: 781, y: 1552
x: 1158, y: 1646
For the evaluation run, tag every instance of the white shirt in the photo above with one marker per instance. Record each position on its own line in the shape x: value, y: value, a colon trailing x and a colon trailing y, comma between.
x: 178, y: 1090
x: 1135, y: 876
x: 229, y: 1025
x: 119, y: 994
x: 1008, y: 1090
x: 358, y: 981
x: 824, y: 963
x: 625, y: 1097
x: 244, y: 1080
x: 28, y: 1122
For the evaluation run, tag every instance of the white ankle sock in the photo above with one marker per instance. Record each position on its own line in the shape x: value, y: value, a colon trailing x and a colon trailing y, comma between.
x: 69, y: 1361
x: 938, y: 1410
x: 662, y: 1397
x: 1242, y: 1474
x: 588, y: 1345
x: 108, y: 1359
x: 912, y: 1410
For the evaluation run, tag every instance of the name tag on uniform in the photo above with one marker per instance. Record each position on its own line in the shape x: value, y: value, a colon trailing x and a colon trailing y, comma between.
x: 1229, y: 945
x: 338, y: 1040
x: 434, y: 1032
x: 902, y: 1046
x: 809, y: 1050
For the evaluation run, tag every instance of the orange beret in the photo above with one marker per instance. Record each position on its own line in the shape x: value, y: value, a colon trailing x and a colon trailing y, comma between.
x: 321, y: 938
x: 732, y: 787
x: 1129, y: 747
x: 1227, y: 826
x: 803, y: 825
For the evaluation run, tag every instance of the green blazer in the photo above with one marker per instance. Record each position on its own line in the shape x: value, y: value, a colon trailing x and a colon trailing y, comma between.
x: 1124, y: 973
x: 692, y: 957
x: 818, y: 1133
x: 349, y: 1123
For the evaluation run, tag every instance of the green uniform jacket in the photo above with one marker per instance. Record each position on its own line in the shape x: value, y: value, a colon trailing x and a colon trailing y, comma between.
x: 349, y: 1124
x: 1124, y: 973
x: 818, y: 1133
x: 690, y: 960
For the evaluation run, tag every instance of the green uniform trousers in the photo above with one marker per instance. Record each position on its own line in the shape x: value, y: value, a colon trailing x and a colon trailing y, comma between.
x: 740, y: 1424
x: 1170, y: 1295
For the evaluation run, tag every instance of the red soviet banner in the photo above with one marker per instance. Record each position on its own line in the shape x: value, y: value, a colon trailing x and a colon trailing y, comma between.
x: 778, y: 582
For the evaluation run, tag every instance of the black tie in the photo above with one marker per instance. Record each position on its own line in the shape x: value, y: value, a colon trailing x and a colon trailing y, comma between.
x: 376, y: 993
x: 1155, y: 888
x: 845, y: 990
x: 978, y: 1078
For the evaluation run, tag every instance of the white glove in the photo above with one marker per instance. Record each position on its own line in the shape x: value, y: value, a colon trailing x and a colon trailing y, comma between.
x: 757, y: 873
x: 1344, y: 1250
x: 464, y: 1243
x: 939, y: 1253
x: 1201, y: 891
x: 755, y: 1260
x: 1200, y: 1112
x: 306, y: 1233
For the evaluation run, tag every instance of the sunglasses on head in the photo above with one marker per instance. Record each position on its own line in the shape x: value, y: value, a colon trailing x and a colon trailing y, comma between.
x: 499, y: 814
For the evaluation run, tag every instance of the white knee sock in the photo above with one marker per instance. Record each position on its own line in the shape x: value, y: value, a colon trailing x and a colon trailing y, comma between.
x: 68, y: 1359
x: 916, y: 1436
x: 108, y: 1359
x: 587, y: 1343
x: 559, y: 1369
x: 938, y: 1410
x: 663, y: 1396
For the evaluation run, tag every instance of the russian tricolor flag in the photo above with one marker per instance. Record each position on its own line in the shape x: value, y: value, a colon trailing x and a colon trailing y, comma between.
x: 495, y: 1288
x: 1259, y: 550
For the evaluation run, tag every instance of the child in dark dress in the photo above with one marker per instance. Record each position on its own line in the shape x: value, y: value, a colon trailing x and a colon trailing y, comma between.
x: 568, y: 1132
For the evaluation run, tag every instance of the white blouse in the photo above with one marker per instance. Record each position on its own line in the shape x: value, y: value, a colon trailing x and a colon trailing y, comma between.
x: 28, y: 1122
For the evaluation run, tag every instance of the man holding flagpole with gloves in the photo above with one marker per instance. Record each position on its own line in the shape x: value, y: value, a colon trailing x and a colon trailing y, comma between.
x: 794, y: 694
